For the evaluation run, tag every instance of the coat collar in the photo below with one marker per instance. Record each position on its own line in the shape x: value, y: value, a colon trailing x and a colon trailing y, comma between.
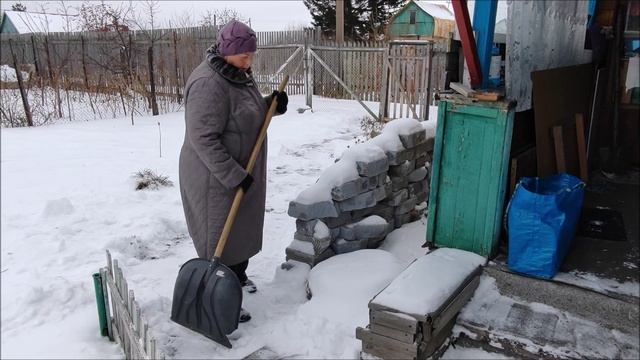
x: 226, y: 70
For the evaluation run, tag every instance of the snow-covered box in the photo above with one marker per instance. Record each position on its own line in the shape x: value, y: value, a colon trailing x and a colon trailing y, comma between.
x: 413, y: 316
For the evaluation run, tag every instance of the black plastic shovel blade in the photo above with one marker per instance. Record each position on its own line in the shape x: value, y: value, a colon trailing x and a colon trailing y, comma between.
x: 207, y: 298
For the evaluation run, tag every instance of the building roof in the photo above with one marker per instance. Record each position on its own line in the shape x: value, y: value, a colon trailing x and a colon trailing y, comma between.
x: 32, y: 22
x: 435, y: 10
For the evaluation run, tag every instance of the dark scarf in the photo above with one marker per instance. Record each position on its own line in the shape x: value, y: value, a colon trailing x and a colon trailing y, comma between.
x: 226, y: 70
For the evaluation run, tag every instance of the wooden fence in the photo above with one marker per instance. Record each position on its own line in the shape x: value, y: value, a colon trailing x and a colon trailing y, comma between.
x: 139, y: 69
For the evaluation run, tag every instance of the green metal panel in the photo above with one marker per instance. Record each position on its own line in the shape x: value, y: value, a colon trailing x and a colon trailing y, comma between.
x: 400, y: 25
x: 470, y: 164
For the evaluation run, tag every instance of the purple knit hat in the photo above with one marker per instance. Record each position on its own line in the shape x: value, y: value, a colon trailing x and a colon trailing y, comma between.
x: 236, y: 38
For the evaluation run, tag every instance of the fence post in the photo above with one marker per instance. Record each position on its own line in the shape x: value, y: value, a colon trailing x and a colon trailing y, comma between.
x: 308, y: 74
x: 35, y: 55
x: 175, y: 56
x: 23, y: 94
x: 154, y: 102
x: 52, y: 81
x: 429, y: 72
x: 384, y: 96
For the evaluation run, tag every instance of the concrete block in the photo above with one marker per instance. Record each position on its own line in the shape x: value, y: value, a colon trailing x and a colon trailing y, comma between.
x: 380, y: 193
x: 398, y: 197
x: 418, y: 187
x: 335, y: 232
x: 321, y: 244
x: 414, y: 139
x: 398, y: 183
x: 422, y: 197
x: 384, y: 211
x: 401, y: 219
x: 378, y: 180
x: 342, y: 246
x: 350, y: 189
x: 317, y: 210
x: 374, y: 243
x: 422, y: 160
x: 333, y: 222
x: 364, y: 200
x: 372, y: 168
x: 302, y: 237
x: 406, y: 206
x: 305, y: 227
x: 398, y: 157
x: 423, y: 149
x: 418, y: 174
x: 312, y: 260
x: 372, y: 226
x: 403, y: 169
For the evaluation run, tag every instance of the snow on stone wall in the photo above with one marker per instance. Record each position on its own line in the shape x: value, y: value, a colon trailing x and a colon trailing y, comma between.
x: 372, y: 189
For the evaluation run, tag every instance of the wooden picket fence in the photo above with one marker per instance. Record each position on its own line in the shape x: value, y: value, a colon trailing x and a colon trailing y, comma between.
x: 156, y: 64
x: 125, y: 322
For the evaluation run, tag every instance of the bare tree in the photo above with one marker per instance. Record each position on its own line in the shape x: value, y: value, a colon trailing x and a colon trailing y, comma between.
x: 18, y: 7
x: 219, y: 17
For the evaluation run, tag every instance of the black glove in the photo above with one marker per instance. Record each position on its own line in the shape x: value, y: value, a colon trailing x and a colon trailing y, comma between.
x: 246, y: 183
x: 282, y: 99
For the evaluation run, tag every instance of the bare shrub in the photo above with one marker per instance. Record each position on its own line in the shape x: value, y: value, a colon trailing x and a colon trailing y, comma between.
x: 148, y: 179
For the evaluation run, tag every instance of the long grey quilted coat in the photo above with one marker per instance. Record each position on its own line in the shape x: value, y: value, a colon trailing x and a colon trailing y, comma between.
x: 223, y: 114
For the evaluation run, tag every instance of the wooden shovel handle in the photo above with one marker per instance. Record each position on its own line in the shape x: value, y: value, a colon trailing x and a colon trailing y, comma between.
x: 252, y: 162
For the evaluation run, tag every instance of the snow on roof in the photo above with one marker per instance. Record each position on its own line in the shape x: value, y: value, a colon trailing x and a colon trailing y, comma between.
x: 436, y: 10
x: 32, y: 22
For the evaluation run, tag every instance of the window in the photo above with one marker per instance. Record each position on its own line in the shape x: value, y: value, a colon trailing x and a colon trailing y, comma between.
x: 412, y: 17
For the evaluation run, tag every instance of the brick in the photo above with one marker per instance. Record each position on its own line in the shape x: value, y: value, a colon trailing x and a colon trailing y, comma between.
x: 371, y: 168
x: 423, y: 149
x: 398, y: 157
x: 398, y: 197
x: 335, y: 232
x: 414, y: 139
x: 350, y: 189
x: 364, y: 200
x: 403, y: 169
x: 418, y: 174
x: 398, y: 183
x: 321, y: 244
x: 406, y: 206
x: 305, y: 227
x: 342, y: 246
x: 317, y: 210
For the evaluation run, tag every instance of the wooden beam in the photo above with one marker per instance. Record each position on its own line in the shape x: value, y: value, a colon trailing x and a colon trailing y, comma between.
x: 582, y: 148
x: 469, y: 49
x: 558, y: 142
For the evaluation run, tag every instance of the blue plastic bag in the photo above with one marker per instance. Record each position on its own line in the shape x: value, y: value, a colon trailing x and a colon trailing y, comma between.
x: 542, y: 217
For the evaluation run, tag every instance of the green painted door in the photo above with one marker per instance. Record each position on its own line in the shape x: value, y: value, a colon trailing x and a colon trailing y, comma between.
x: 470, y: 163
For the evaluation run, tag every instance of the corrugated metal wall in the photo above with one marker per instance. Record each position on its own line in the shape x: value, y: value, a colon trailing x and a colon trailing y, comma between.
x: 542, y: 35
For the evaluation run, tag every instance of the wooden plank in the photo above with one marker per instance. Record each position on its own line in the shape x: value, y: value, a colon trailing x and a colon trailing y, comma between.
x: 403, y: 336
x: 582, y: 148
x: 558, y: 142
x: 462, y: 89
x: 456, y: 304
x: 385, y: 347
x: 392, y: 320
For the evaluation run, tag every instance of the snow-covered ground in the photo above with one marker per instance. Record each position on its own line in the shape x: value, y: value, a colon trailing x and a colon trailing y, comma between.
x: 68, y: 195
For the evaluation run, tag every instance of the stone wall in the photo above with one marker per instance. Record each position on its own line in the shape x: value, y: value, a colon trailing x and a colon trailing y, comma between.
x: 371, y: 190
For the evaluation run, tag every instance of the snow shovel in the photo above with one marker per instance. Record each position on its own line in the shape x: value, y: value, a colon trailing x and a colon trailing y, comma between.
x: 207, y: 295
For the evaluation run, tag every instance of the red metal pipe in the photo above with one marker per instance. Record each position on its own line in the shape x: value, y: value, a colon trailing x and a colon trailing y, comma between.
x: 469, y: 49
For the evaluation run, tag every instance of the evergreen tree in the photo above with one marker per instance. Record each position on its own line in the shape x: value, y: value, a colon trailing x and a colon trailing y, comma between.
x: 363, y: 19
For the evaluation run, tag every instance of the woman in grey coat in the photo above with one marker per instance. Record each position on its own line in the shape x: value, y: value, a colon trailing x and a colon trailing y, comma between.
x: 224, y: 112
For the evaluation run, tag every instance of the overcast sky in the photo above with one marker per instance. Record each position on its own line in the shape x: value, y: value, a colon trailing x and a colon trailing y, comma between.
x: 265, y: 15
